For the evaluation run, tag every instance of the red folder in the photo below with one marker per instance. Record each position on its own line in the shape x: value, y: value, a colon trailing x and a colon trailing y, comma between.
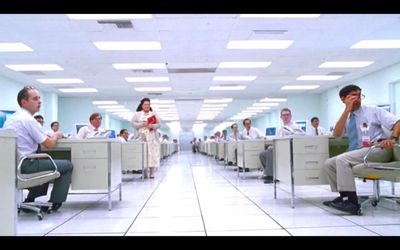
x: 152, y: 120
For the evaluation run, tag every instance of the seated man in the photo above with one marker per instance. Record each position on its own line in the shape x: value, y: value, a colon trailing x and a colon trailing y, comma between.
x: 315, y: 129
x: 266, y: 157
x: 30, y: 136
x: 356, y: 120
x: 93, y: 128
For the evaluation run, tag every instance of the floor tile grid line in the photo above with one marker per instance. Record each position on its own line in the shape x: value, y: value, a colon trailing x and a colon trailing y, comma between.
x: 247, y: 197
x: 75, y: 215
x: 198, y: 200
x: 141, y: 209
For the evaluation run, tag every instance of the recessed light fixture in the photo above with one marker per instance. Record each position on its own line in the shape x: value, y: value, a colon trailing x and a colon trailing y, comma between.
x: 318, y: 77
x: 345, y: 64
x: 222, y: 100
x: 78, y: 90
x: 234, y: 78
x: 273, y: 100
x: 377, y: 44
x: 240, y: 87
x: 147, y: 79
x: 34, y: 67
x: 14, y: 47
x: 149, y: 89
x: 299, y: 87
x: 59, y: 80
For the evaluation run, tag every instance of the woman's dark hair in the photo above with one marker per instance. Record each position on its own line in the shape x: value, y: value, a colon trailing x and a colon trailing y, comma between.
x: 139, y: 108
x: 347, y: 89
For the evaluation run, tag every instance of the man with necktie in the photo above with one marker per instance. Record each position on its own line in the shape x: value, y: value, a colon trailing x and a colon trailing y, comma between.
x: 315, y: 129
x: 353, y: 119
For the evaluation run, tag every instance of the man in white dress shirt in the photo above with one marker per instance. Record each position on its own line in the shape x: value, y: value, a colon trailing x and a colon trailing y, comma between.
x: 355, y: 119
x: 249, y: 132
x: 315, y: 129
x: 123, y: 135
x: 266, y: 157
x: 93, y: 128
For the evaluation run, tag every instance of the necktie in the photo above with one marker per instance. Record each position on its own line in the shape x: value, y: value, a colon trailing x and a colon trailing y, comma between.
x: 248, y: 133
x: 39, y: 149
x: 316, y: 131
x: 352, y: 133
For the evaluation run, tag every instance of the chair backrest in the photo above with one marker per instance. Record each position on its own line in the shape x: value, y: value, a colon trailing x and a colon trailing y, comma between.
x: 37, y: 178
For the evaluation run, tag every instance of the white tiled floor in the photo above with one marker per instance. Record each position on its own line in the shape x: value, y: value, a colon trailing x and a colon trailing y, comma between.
x: 194, y: 195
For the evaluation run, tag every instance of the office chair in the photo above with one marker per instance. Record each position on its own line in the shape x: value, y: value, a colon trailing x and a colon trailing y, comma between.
x: 376, y: 171
x: 25, y: 181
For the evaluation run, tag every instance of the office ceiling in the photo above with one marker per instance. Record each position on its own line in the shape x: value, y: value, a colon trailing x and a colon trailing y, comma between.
x: 196, y: 43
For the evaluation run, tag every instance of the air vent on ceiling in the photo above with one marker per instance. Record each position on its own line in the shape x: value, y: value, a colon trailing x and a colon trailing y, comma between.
x: 269, y: 32
x: 154, y: 93
x: 121, y: 24
x: 192, y: 70
x: 142, y: 70
x: 33, y: 72
x: 337, y: 73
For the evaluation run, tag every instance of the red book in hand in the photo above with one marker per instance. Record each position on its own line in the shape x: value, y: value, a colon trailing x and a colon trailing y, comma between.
x: 151, y: 120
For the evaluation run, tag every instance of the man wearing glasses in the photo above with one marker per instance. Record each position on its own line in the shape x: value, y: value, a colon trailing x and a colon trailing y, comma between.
x: 363, y: 126
x: 93, y: 128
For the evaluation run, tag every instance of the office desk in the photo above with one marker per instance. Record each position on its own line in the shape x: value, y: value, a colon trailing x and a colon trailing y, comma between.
x: 134, y: 156
x: 299, y: 160
x: 96, y: 164
x: 248, y: 153
x: 230, y: 153
x: 8, y: 180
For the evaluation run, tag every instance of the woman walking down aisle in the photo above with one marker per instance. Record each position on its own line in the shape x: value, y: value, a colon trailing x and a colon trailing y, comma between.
x: 146, y: 124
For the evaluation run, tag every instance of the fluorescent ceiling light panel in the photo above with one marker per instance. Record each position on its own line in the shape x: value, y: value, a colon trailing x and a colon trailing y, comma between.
x: 144, y: 89
x: 14, y: 47
x: 279, y: 15
x: 159, y: 101
x: 108, y: 16
x: 227, y: 87
x: 223, y: 100
x: 258, y: 108
x: 214, y: 105
x: 243, y: 65
x: 234, y: 78
x: 273, y: 100
x: 111, y: 106
x: 377, y: 44
x: 34, y: 67
x: 147, y: 79
x: 139, y: 65
x: 59, y: 80
x: 259, y: 44
x: 299, y: 87
x: 128, y: 45
x: 104, y: 102
x: 78, y: 90
x: 318, y: 78
x: 265, y: 104
x: 345, y: 64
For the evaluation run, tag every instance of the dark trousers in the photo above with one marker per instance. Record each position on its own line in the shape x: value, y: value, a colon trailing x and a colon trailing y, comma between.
x: 61, y: 184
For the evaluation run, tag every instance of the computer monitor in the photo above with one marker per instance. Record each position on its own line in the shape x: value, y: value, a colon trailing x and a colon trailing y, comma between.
x: 302, y: 124
x: 76, y: 128
x: 111, y: 134
x: 4, y: 114
x: 271, y: 131
x: 385, y: 107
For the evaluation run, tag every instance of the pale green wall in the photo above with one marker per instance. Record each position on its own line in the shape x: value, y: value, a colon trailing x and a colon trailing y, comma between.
x: 9, y: 90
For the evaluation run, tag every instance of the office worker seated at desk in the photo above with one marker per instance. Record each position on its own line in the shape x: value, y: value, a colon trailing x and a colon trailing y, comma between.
x: 148, y: 132
x: 358, y: 122
x: 93, y: 128
x: 30, y: 136
x: 315, y: 129
x: 235, y: 135
x: 123, y: 135
x: 266, y: 157
x: 249, y: 132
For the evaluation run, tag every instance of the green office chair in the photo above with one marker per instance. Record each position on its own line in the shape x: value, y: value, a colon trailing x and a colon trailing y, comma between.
x: 25, y: 181
x: 376, y: 171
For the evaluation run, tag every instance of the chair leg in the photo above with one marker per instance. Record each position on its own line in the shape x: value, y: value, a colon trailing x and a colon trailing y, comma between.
x: 377, y: 197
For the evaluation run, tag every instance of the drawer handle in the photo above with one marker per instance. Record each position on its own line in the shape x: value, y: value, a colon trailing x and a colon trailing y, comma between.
x: 311, y: 147
x: 88, y: 151
x: 313, y: 178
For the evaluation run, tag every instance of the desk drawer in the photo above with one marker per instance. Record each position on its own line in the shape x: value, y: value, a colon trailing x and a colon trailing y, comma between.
x: 89, y: 150
x: 132, y: 148
x: 254, y: 145
x: 309, y: 161
x: 313, y: 145
x: 309, y: 177
x: 89, y: 174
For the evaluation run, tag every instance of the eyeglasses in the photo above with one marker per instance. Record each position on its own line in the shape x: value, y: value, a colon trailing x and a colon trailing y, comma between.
x: 285, y: 114
x: 361, y: 96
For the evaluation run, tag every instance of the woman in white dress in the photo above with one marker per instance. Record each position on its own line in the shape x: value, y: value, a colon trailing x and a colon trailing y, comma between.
x: 146, y: 130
